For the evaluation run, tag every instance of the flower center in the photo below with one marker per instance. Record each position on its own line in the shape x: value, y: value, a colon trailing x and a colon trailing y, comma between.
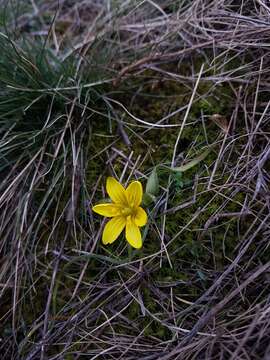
x: 127, y: 211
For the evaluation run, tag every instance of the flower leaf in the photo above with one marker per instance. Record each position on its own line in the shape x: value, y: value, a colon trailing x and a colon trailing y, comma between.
x: 152, y: 184
x: 191, y: 163
x: 148, y: 199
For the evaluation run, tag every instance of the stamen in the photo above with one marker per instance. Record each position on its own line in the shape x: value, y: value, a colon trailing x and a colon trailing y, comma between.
x: 126, y: 211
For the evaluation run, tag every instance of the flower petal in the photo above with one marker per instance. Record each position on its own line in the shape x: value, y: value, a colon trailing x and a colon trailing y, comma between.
x: 113, y: 229
x: 134, y: 193
x: 116, y: 191
x: 133, y: 234
x: 108, y: 210
x: 140, y: 217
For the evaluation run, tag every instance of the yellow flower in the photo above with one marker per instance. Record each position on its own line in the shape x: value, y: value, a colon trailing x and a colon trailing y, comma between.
x: 125, y: 212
